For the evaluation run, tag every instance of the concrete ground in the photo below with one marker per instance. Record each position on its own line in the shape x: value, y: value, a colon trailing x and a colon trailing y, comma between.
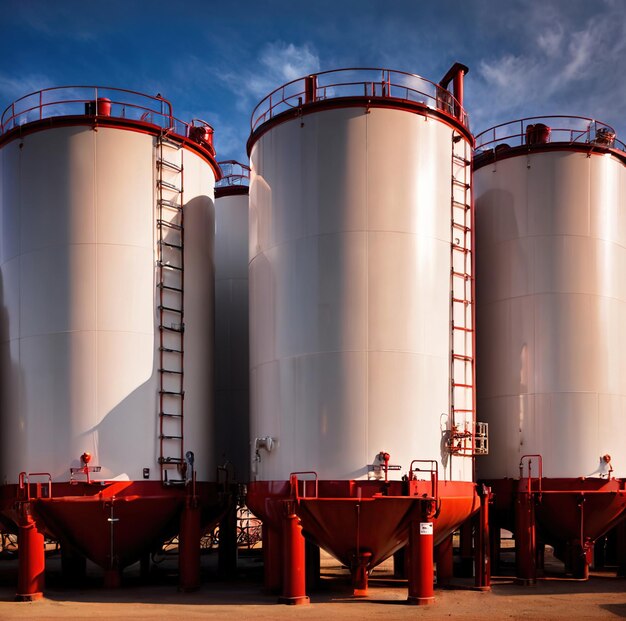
x: 554, y: 597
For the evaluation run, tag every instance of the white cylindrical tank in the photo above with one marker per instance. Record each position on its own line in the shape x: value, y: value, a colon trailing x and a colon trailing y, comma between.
x: 351, y: 211
x: 231, y: 319
x: 551, y: 297
x: 81, y: 259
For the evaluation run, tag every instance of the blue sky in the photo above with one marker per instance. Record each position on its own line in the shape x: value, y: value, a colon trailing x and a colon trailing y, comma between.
x: 216, y: 60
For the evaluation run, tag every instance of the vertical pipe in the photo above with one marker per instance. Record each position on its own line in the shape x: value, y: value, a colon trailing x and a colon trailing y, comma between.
x: 227, y: 548
x: 482, y: 562
x: 445, y: 561
x: 112, y: 574
x: 457, y: 86
x: 525, y: 535
x: 294, y: 585
x: 421, y: 565
x: 31, y: 558
x: 310, y: 89
x: 189, y: 546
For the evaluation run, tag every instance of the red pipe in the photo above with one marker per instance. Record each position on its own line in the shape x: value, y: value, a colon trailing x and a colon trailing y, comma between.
x: 483, y: 560
x: 455, y: 74
x: 421, y: 565
x: 525, y: 535
x: 31, y: 558
x: 189, y: 546
x: 310, y: 89
x: 294, y: 567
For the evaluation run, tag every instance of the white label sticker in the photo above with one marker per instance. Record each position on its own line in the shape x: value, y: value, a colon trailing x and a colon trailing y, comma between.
x: 426, y: 528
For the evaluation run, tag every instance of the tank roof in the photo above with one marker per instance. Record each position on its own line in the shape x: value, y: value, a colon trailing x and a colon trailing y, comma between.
x: 369, y: 84
x: 103, y: 105
x: 546, y: 132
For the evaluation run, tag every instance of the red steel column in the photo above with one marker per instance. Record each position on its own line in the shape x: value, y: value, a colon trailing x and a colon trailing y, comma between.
x: 312, y: 560
x: 445, y: 561
x: 360, y: 574
x: 466, y: 535
x: 421, y: 565
x: 227, y: 547
x: 525, y: 535
x: 294, y: 568
x: 189, y: 546
x: 483, y: 562
x: 399, y: 563
x: 31, y: 558
x: 272, y: 559
x: 495, y: 543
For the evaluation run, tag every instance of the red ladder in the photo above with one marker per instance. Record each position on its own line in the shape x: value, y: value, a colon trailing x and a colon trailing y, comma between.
x: 170, y: 226
x: 462, y: 313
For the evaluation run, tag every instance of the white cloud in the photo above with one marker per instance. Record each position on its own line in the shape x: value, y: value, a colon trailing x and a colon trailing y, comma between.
x: 288, y: 61
x: 562, y: 67
x: 12, y: 87
x: 279, y: 62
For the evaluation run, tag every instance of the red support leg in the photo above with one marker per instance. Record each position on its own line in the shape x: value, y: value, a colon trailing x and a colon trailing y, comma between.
x: 483, y: 561
x: 227, y: 548
x: 360, y: 574
x: 445, y: 559
x: 272, y: 560
x: 495, y: 543
x: 73, y: 566
x: 294, y: 585
x: 189, y: 546
x: 421, y: 564
x: 31, y: 559
x: 399, y: 563
x: 621, y: 548
x: 112, y: 578
x: 466, y: 535
x: 525, y: 535
x: 312, y: 559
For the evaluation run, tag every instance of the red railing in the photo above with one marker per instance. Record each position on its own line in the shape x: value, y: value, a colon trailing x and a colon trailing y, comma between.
x: 548, y: 129
x: 98, y: 101
x: 375, y: 83
x: 233, y: 174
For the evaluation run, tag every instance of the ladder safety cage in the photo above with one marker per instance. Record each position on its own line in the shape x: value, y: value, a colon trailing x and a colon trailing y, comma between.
x: 461, y: 439
x: 170, y: 280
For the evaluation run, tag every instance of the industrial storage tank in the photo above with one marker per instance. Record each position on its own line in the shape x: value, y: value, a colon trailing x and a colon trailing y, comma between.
x: 551, y: 271
x: 231, y: 319
x: 107, y: 334
x: 361, y: 313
